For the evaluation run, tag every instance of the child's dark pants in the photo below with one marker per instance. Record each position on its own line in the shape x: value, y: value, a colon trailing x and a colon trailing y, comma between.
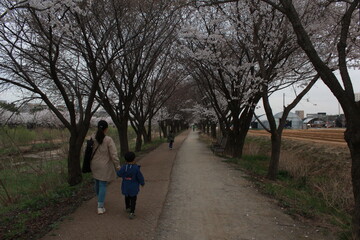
x: 130, y: 202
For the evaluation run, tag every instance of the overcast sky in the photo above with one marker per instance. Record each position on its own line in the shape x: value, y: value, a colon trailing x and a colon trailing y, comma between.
x: 318, y: 99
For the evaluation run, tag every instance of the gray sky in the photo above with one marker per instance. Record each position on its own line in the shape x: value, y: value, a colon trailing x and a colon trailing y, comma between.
x: 318, y: 99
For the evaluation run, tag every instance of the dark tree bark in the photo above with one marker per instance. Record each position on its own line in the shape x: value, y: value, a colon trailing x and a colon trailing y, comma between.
x: 344, y: 95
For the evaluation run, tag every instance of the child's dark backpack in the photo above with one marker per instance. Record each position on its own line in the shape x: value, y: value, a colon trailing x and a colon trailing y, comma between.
x: 88, y: 155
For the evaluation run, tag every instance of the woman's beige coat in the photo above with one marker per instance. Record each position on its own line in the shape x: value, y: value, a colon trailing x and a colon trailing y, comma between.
x: 105, y: 160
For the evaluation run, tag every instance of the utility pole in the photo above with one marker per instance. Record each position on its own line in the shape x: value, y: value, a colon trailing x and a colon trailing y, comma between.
x: 284, y: 101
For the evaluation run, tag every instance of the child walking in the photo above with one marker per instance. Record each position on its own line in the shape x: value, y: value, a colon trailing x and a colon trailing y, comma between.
x: 131, y: 179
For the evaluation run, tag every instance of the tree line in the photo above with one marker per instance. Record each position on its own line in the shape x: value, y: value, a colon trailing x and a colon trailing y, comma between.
x: 221, y: 56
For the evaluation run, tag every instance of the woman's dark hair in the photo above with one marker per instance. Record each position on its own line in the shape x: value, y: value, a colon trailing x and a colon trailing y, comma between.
x: 100, y: 135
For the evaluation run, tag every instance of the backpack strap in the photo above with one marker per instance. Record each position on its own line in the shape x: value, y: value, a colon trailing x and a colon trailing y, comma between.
x: 94, y: 151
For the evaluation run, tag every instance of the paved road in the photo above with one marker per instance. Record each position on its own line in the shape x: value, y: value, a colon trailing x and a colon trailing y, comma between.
x: 209, y: 199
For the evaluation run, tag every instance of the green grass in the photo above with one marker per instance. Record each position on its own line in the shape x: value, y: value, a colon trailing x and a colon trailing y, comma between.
x: 35, y: 185
x: 27, y: 180
x: 35, y: 207
x: 20, y: 136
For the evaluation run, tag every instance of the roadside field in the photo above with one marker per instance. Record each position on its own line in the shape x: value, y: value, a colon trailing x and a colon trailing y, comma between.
x: 323, y: 135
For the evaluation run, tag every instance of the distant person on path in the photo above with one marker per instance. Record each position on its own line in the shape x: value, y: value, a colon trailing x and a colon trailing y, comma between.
x: 171, y: 139
x: 104, y: 163
x: 132, y: 178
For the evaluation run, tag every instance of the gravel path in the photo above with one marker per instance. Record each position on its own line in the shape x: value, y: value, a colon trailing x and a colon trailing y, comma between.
x: 209, y: 199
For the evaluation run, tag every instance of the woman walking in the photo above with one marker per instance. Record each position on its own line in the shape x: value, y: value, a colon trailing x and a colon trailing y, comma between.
x: 171, y: 138
x: 104, y: 163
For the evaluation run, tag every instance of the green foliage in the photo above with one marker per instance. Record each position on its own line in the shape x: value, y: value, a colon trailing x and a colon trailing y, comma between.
x: 9, y: 107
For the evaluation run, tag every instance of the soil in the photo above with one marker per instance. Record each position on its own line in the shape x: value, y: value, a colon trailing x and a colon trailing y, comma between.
x: 331, y: 136
x: 189, y: 194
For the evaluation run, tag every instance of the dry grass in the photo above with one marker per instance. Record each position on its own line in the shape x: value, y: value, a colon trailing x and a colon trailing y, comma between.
x: 330, y: 178
x: 325, y: 167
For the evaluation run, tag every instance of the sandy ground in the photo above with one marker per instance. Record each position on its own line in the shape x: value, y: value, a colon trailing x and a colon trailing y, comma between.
x: 189, y: 194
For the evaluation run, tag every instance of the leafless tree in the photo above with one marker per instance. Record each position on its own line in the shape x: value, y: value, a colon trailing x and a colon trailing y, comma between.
x: 150, y: 98
x: 145, y: 28
x: 55, y: 55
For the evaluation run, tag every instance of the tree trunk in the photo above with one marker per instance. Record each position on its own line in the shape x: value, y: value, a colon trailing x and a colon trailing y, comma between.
x: 237, y: 142
x: 352, y: 137
x: 163, y: 128
x: 74, y: 165
x: 240, y: 130
x: 213, y: 130
x: 148, y: 138
x: 123, y: 137
x: 138, y: 142
x: 275, y: 156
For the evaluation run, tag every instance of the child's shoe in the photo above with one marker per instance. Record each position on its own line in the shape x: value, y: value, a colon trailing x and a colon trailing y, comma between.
x: 131, y: 215
x: 101, y: 210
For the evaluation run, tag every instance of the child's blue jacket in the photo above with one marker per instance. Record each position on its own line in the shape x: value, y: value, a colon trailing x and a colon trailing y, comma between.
x: 131, y: 179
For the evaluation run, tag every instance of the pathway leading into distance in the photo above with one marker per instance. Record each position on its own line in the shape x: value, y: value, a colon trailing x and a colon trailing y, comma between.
x: 189, y: 194
x: 211, y: 200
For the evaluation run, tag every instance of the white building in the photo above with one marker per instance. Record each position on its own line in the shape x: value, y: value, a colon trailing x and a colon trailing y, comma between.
x: 293, y: 121
x: 357, y: 96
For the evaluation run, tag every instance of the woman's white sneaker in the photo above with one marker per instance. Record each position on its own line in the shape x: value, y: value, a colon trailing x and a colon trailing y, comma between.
x: 101, y: 211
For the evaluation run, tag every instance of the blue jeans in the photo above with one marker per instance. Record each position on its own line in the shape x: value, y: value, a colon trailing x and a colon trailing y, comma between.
x: 100, y: 189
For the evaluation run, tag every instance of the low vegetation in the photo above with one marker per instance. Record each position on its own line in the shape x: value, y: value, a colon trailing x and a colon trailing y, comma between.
x: 314, y: 182
x: 34, y: 193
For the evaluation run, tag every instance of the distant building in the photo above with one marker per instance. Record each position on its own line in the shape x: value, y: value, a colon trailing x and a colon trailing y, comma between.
x: 316, y: 115
x: 357, y: 96
x: 293, y: 121
x: 300, y: 113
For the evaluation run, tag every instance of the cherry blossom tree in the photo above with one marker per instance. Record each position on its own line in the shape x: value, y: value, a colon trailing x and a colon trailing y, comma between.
x: 174, y: 114
x: 222, y: 61
x: 341, y: 29
x: 145, y: 29
x: 156, y: 90
x: 52, y: 50
x: 280, y: 63
x: 323, y: 28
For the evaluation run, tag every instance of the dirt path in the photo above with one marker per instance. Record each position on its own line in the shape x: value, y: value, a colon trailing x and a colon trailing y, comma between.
x: 206, y: 199
x: 85, y: 224
x: 209, y: 199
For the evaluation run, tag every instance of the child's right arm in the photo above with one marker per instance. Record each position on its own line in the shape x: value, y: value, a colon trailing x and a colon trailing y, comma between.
x: 140, y: 177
